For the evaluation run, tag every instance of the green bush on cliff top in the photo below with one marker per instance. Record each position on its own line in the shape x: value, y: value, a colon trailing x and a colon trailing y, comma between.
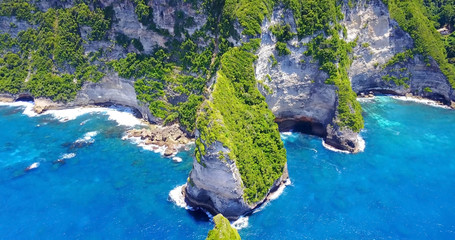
x: 238, y: 116
x: 222, y: 230
x: 411, y: 16
x: 321, y: 18
x: 51, y: 57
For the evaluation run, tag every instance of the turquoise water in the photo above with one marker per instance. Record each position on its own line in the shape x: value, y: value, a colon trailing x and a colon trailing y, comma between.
x: 401, y: 187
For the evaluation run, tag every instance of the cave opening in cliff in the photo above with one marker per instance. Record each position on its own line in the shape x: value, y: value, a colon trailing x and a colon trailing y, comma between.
x: 306, y: 127
x: 25, y: 98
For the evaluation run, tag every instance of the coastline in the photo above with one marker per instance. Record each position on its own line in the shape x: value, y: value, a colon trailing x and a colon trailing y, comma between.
x: 360, y: 140
x: 422, y: 100
x: 179, y: 197
x: 124, y: 116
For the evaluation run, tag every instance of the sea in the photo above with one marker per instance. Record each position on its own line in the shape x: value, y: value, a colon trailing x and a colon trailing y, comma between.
x: 71, y: 174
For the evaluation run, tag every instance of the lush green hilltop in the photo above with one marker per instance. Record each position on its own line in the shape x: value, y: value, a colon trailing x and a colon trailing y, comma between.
x: 222, y: 230
x: 213, y: 66
x: 414, y: 16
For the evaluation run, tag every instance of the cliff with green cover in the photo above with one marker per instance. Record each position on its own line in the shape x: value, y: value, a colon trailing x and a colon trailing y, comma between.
x: 232, y: 73
x: 222, y: 230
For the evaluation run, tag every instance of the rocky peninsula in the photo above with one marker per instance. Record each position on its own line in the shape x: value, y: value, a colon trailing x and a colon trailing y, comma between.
x: 232, y: 78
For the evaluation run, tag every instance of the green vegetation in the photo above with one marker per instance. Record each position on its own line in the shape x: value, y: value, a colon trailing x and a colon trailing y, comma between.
x: 399, y: 81
x: 154, y: 74
x: 442, y: 12
x: 222, y: 230
x: 273, y: 60
x: 250, y: 13
x: 411, y: 15
x: 332, y: 52
x: 239, y: 118
x: 314, y: 15
x: 49, y: 60
x: 187, y: 112
x: 282, y: 49
x: 399, y: 58
x: 252, y: 46
x: 427, y: 90
x: 450, y: 47
x: 282, y: 32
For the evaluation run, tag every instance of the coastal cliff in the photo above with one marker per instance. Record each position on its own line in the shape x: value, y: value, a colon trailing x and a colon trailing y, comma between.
x: 295, y: 86
x: 229, y: 72
x: 240, y: 158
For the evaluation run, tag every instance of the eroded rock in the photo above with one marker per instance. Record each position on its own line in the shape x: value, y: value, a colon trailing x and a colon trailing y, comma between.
x: 170, y: 136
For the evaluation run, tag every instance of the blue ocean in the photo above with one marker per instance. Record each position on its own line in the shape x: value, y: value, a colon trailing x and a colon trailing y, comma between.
x: 401, y: 187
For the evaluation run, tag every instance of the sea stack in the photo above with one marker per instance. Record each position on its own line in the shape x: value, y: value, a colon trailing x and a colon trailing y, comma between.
x: 239, y: 156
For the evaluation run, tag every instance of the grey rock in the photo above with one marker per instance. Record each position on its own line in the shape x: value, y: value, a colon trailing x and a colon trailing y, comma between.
x: 297, y: 89
x: 216, y: 184
x: 379, y: 39
x: 112, y: 90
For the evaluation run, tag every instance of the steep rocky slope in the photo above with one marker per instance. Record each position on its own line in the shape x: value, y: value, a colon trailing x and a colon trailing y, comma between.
x: 295, y: 87
x: 165, y: 59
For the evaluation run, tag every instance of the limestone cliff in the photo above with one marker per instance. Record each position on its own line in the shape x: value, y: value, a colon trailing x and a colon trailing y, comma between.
x: 165, y: 58
x: 216, y: 185
x: 240, y: 158
x: 295, y: 88
x: 379, y: 40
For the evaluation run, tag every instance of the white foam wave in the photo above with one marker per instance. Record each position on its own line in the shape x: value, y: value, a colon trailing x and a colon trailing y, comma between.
x: 177, y: 197
x: 122, y: 115
x: 65, y: 115
x: 88, y: 137
x: 361, y: 142
x: 327, y: 146
x: 366, y: 99
x: 33, y: 166
x: 124, y: 118
x: 151, y: 147
x: 177, y: 159
x: 279, y: 191
x: 28, y: 107
x: 289, y: 136
x: 240, y: 223
x: 422, y: 101
x: 68, y: 156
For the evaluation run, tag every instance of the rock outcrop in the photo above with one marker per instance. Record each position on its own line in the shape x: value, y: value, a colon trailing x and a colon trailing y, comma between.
x: 216, y: 184
x: 295, y: 88
x: 170, y: 136
x: 295, y: 92
x: 380, y: 38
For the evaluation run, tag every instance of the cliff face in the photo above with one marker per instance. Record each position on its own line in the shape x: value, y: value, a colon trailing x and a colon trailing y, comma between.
x: 112, y: 88
x: 216, y: 185
x: 379, y: 40
x: 295, y: 92
x: 295, y: 87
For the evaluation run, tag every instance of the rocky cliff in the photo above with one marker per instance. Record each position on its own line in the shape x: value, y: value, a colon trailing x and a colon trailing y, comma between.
x: 217, y: 185
x: 240, y: 158
x: 379, y: 40
x: 165, y: 58
x: 295, y: 88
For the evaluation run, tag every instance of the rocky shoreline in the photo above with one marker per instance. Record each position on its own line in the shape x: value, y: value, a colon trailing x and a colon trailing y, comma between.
x: 170, y: 137
x: 232, y: 209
